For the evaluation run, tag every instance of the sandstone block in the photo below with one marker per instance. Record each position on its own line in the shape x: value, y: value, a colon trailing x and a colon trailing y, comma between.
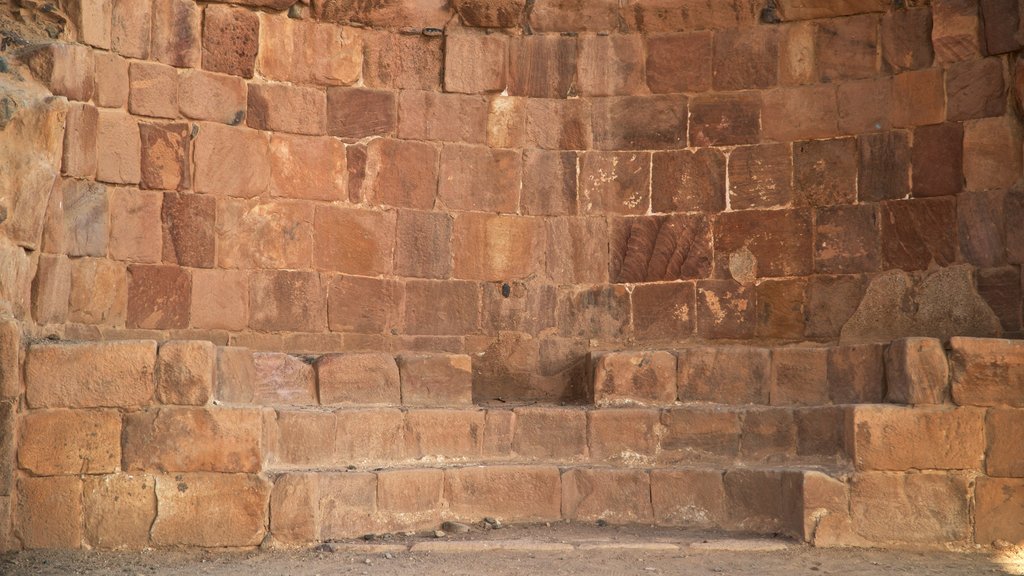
x: 363, y: 305
x: 475, y: 63
x: 304, y: 439
x: 410, y: 499
x: 799, y: 376
x: 660, y: 248
x: 998, y: 510
x: 640, y: 122
x: 883, y: 166
x: 423, y: 244
x: 135, y: 228
x: 615, y: 183
x: 955, y: 30
x: 51, y: 290
x: 919, y: 232
x: 825, y: 172
x: 479, y: 178
x: 906, y: 39
x: 59, y: 442
x: 916, y: 372
x: 400, y: 173
x: 987, y: 372
x: 722, y: 120
x: 283, y: 379
x: 154, y: 90
x: 348, y: 503
x: 287, y: 300
x: 975, y: 89
x: 220, y: 299
x: 402, y: 62
x: 230, y: 40
x: 185, y: 372
x: 499, y: 427
x: 1000, y: 23
x: 679, y: 62
x: 436, y: 379
x: 266, y: 234
x: 865, y: 105
x: 732, y: 375
x: 88, y: 375
x: 561, y: 16
x: 361, y: 112
x: 444, y: 434
x: 779, y: 309
x: 99, y: 291
x: 789, y: 114
x: 292, y: 50
x: 66, y: 69
x: 990, y: 160
x: 368, y: 437
x: 768, y: 436
x: 218, y: 146
x: 896, y: 438
x: 119, y: 509
x: 493, y: 247
x: 1004, y: 428
x: 173, y: 439
x: 626, y: 437
x: 809, y: 10
x: 210, y: 510
x: 918, y: 98
x: 353, y: 241
x: 847, y: 48
x: 235, y: 375
x: 778, y: 240
x: 758, y: 500
x: 118, y: 148
x: 294, y: 509
x: 688, y: 498
x: 550, y: 433
x: 86, y: 218
x: 490, y: 14
x: 508, y: 493
x: 166, y: 156
x: 441, y: 307
x: 856, y: 374
x: 541, y: 66
x: 685, y: 181
x: 821, y: 432
x: 552, y: 124
x: 49, y: 512
x: 369, y: 378
x: 188, y: 230
x: 725, y: 309
x: 847, y: 239
x: 427, y: 115
x: 760, y: 176
x: 577, y: 250
x: 925, y: 509
x: 79, y: 152
x: 131, y: 23
x: 745, y: 59
x: 111, y: 80
x: 175, y: 36
x: 159, y: 296
x: 209, y: 96
x: 635, y: 377
x: 650, y: 302
x: 615, y: 496
x: 610, y: 65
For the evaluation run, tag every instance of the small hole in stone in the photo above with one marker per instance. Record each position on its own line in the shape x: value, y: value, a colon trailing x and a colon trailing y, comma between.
x: 506, y: 290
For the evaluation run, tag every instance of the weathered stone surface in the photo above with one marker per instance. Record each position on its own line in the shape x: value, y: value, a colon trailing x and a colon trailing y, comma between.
x: 159, y: 296
x: 189, y: 229
x: 616, y: 496
x: 609, y: 65
x: 975, y: 89
x: 723, y: 120
x: 779, y: 241
x: 287, y: 300
x: 758, y: 500
x: 507, y: 493
x: 549, y: 183
x: 218, y: 440
x: 217, y: 146
x: 688, y: 498
x: 118, y: 509
x: 640, y: 122
x: 79, y: 152
x: 287, y: 108
x: 358, y: 379
x: 768, y: 436
x: 919, y: 98
x: 799, y: 376
x: 865, y: 105
x: 441, y: 434
x: 99, y: 291
x: 918, y: 233
x: 235, y: 375
x: 265, y: 234
x: 175, y: 36
x: 906, y: 39
x: 727, y: 375
x: 987, y: 372
x: 166, y: 156
x: 955, y: 30
x: 943, y: 303
x: 725, y: 309
x: 577, y: 250
x: 475, y: 63
x: 664, y: 311
x: 998, y: 510
x: 400, y: 61
x: 825, y: 172
x: 626, y: 378
x: 51, y: 290
x: 883, y: 166
x: 294, y: 509
x: 990, y: 158
x: 811, y: 10
x: 916, y: 372
x: 799, y: 113
x: 746, y: 58
x: 59, y: 442
x: 541, y: 66
x: 847, y: 239
x: 685, y: 181
x: 210, y: 510
x: 695, y: 435
x: 479, y: 178
x: 405, y: 174
x: 821, y: 433
x: 230, y: 40
x: 555, y: 124
x: 856, y: 374
x: 66, y: 69
x: 363, y: 305
x: 624, y: 436
x: 410, y: 499
x: 283, y: 379
x: 185, y: 372
x: 658, y: 248
x: 436, y: 379
x: 299, y: 438
x: 490, y: 13
x: 154, y: 90
x: 86, y: 218
x: 760, y: 176
x: 899, y: 438
x: 494, y: 247
x: 131, y: 24
x: 361, y: 112
x: 1001, y: 290
x: 111, y: 80
x: 616, y: 183
x: 368, y: 437
x: 1004, y: 429
x: 441, y: 307
x: 847, y: 48
x: 779, y: 308
x: 679, y: 62
x: 353, y: 241
x: 49, y: 512
x: 347, y: 505
x: 209, y: 96
x: 431, y: 14
x: 90, y: 375
x: 924, y: 509
x: 135, y: 228
x: 543, y: 433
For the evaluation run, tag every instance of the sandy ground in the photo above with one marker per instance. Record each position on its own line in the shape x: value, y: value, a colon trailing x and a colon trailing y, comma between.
x: 523, y: 550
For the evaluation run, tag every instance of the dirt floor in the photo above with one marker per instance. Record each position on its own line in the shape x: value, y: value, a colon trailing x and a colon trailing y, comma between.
x: 522, y: 550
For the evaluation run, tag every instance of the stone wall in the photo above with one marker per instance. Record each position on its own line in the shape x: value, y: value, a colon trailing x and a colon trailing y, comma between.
x: 526, y: 181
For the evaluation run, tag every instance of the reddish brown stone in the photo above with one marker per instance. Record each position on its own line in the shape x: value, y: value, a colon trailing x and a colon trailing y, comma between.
x: 541, y: 66
x: 166, y: 157
x: 907, y: 39
x: 856, y: 374
x: 830, y: 302
x: 111, y: 80
x: 664, y: 312
x: 955, y: 30
x: 218, y: 146
x: 119, y: 510
x: 435, y: 307
x: 86, y: 215
x: 917, y: 233
x: 723, y: 120
x: 688, y: 498
x: 379, y: 14
x: 640, y: 122
x: 159, y: 296
x: 355, y: 161
x: 634, y: 378
x: 986, y: 372
x: 436, y: 379
x: 549, y: 183
x: 975, y: 89
x: 509, y: 493
x: 981, y: 228
x: 746, y: 58
x: 423, y: 244
x: 79, y: 152
x: 370, y: 378
x: 292, y: 50
x: 1001, y: 21
x: 185, y: 372
x: 799, y: 376
x: 901, y: 438
x: 134, y: 225
x: 1014, y: 211
x: 130, y: 28
x: 402, y: 62
x: 616, y: 496
x: 610, y: 65
x: 883, y: 166
x: 789, y: 114
x: 361, y: 112
x: 188, y: 229
x: 475, y: 63
x: 999, y: 510
x: 352, y: 240
x: 916, y: 372
x: 90, y: 375
x: 760, y: 176
x: 577, y: 250
x: 66, y: 69
x: 864, y: 105
x: 685, y: 181
x: 914, y: 508
x: 307, y: 167
x: 558, y: 124
x: 286, y: 108
x: 220, y: 299
x: 820, y: 431
x: 154, y: 90
x: 780, y: 241
x: 615, y: 183
x: 780, y: 309
x: 679, y: 62
x: 1004, y: 430
x: 725, y: 309
x: 825, y: 172
x: 222, y: 440
x: 919, y: 98
x: 209, y: 96
x: 230, y: 40
x: 264, y: 234
x: 546, y: 433
x: 937, y: 159
x: 405, y: 174
x: 49, y: 512
x: 425, y: 115
x: 625, y: 436
x: 195, y: 512
x: 597, y: 312
x: 726, y: 375
x: 767, y: 436
x: 479, y: 178
x: 455, y: 434
x: 575, y: 16
x: 699, y: 435
x: 1001, y: 290
x: 363, y: 305
x: 281, y: 379
x: 175, y: 33
x: 490, y: 13
x: 847, y: 239
x: 236, y: 375
x: 118, y: 148
x: 655, y: 248
x: 847, y: 48
x: 51, y: 289
x: 790, y: 10
x: 493, y: 247
x: 58, y: 442
x: 287, y: 300
x: 99, y: 291
x: 991, y: 153
x: 672, y: 15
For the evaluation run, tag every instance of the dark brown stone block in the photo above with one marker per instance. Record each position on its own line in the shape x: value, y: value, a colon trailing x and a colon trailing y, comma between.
x: 688, y: 181
x: 724, y: 120
x: 615, y: 182
x: 825, y: 172
x: 549, y: 183
x: 884, y: 166
x: 937, y: 159
x: 975, y: 89
x: 542, y: 66
x: 725, y: 309
x: 1001, y: 289
x: 779, y: 240
x: 847, y: 239
x: 230, y: 40
x: 159, y: 297
x: 761, y: 176
x: 679, y: 62
x: 664, y: 311
x: 830, y: 302
x: 165, y: 156
x: 640, y: 122
x: 746, y: 58
x: 423, y: 244
x: 847, y: 48
x: 285, y: 300
x: 441, y: 307
x: 363, y: 305
x: 189, y: 229
x: 856, y: 374
x: 780, y: 309
x: 1001, y: 25
x: 658, y: 248
x: 361, y: 112
x: 981, y: 226
x: 597, y: 312
x: 907, y: 39
x: 917, y: 233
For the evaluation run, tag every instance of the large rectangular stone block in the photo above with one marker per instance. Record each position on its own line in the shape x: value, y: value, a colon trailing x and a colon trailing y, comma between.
x: 172, y: 439
x: 303, y: 438
x: 916, y: 372
x: 444, y: 434
x: 999, y: 510
x: 365, y: 378
x: 693, y: 435
x: 59, y: 442
x: 634, y: 378
x: 727, y: 375
x: 550, y: 433
x: 921, y: 509
x: 615, y: 496
x: 987, y: 372
x: 436, y: 379
x: 295, y: 509
x: 1004, y: 430
x: 348, y: 505
x: 508, y: 493
x: 627, y: 437
x: 87, y: 375
x: 49, y: 512
x: 688, y: 498
x: 367, y: 437
x: 119, y: 510
x: 210, y: 510
x: 897, y: 438
x: 283, y: 379
x: 185, y: 372
x: 410, y: 499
